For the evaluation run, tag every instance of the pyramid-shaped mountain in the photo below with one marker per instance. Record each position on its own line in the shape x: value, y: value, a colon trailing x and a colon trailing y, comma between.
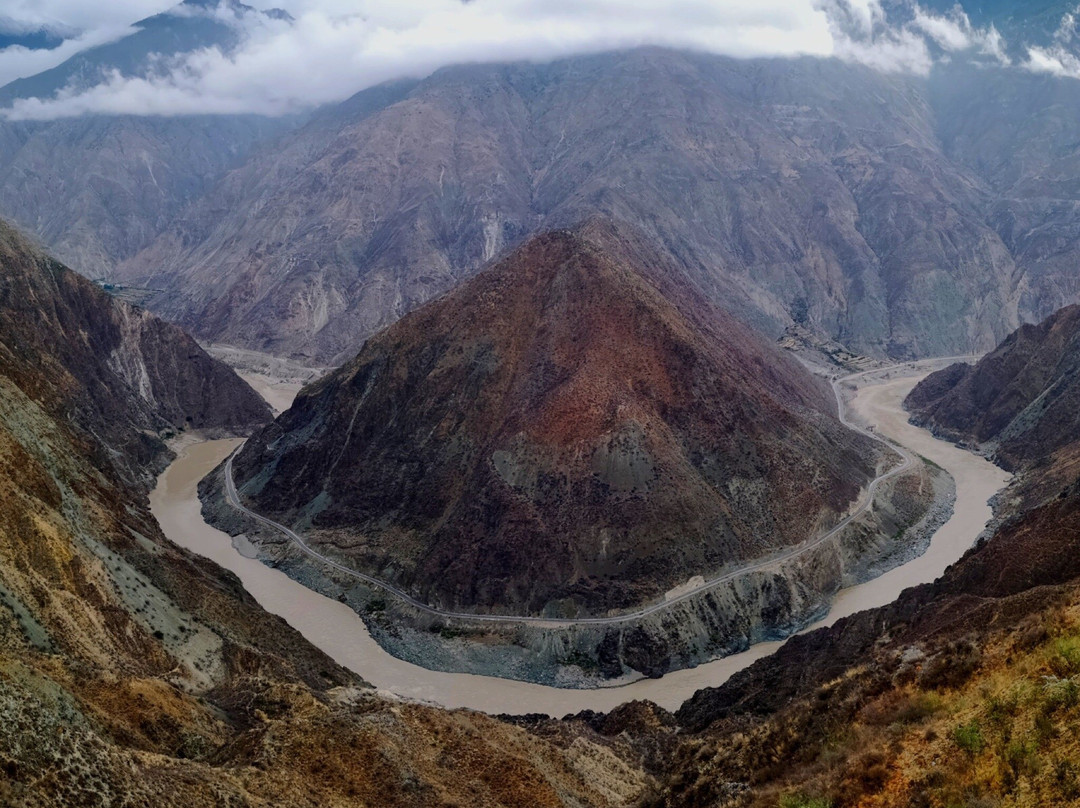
x: 575, y: 425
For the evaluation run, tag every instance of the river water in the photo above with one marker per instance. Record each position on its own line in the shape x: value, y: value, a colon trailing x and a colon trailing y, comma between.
x: 339, y: 632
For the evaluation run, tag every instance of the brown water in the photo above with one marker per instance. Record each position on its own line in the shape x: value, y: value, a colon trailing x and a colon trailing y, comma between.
x: 338, y: 631
x: 278, y: 393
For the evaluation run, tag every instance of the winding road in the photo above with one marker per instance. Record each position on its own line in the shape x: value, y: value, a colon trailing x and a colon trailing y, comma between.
x: 907, y: 461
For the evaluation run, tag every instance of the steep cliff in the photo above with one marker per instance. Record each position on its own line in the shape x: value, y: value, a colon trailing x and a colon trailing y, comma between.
x: 123, y: 377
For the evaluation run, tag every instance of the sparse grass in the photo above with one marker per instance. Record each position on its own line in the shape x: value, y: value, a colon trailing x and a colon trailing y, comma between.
x: 985, y: 721
x: 1065, y: 660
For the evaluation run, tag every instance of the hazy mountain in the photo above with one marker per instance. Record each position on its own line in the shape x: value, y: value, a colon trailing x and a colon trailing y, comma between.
x: 97, y: 189
x: 804, y: 189
x: 1023, y: 399
x: 1015, y: 130
x: 572, y: 424
x: 189, y: 26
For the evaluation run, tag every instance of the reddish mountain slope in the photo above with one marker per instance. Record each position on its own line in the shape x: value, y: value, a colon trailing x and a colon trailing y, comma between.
x: 571, y: 425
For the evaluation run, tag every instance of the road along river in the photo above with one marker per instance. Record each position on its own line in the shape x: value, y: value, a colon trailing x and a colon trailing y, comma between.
x: 338, y: 631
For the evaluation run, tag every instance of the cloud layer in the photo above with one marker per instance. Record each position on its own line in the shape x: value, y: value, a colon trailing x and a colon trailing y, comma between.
x: 334, y: 48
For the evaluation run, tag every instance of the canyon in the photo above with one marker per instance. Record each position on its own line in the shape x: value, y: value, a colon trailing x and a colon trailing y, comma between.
x: 610, y: 425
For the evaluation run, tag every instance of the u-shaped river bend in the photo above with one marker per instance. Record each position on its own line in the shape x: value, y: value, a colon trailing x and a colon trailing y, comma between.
x: 338, y: 630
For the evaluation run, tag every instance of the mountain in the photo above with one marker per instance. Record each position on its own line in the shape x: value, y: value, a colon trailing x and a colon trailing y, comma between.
x: 959, y: 692
x: 132, y: 671
x: 97, y: 189
x: 1022, y: 400
x: 1012, y: 128
x: 189, y: 26
x: 572, y: 426
x: 112, y: 372
x: 809, y: 191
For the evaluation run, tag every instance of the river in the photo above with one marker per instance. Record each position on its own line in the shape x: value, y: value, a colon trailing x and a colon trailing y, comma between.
x: 339, y: 632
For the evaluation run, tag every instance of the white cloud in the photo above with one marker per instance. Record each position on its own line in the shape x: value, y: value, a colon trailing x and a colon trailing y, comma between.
x: 334, y: 48
x: 17, y: 62
x: 1059, y: 58
x: 955, y: 33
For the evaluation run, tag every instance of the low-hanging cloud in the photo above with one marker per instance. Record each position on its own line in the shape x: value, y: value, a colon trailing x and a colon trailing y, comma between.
x: 18, y: 62
x: 327, y: 53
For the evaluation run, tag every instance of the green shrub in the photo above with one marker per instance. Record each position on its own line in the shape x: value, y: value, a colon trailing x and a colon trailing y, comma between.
x: 1023, y: 758
x: 969, y: 737
x: 1060, y: 693
x: 1065, y: 660
x: 802, y: 801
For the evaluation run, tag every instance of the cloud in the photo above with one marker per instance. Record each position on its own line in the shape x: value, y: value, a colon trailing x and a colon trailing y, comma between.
x: 18, y: 62
x: 1058, y: 58
x: 955, y: 33
x: 335, y: 48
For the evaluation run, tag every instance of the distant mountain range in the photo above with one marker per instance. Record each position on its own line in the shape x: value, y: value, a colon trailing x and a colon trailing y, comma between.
x: 900, y: 215
x: 98, y: 189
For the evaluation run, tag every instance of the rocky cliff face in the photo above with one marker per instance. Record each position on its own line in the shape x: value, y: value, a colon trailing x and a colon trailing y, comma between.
x: 1022, y: 401
x: 789, y: 190
x: 132, y: 672
x: 125, y: 379
x: 573, y: 429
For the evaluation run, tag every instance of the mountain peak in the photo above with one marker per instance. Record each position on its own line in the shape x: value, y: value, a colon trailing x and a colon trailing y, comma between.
x: 574, y: 422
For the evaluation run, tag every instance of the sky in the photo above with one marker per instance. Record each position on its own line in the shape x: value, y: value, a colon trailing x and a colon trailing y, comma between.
x: 332, y: 49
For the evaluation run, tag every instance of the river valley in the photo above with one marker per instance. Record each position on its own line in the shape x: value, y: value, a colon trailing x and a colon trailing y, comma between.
x: 339, y: 631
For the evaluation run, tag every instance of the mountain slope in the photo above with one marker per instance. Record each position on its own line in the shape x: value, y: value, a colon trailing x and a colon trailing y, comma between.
x: 802, y: 190
x: 573, y: 425
x: 133, y: 672
x: 1023, y: 398
x: 115, y: 373
x: 959, y: 692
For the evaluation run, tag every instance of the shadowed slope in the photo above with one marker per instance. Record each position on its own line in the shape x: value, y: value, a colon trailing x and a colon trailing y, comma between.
x: 1024, y: 397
